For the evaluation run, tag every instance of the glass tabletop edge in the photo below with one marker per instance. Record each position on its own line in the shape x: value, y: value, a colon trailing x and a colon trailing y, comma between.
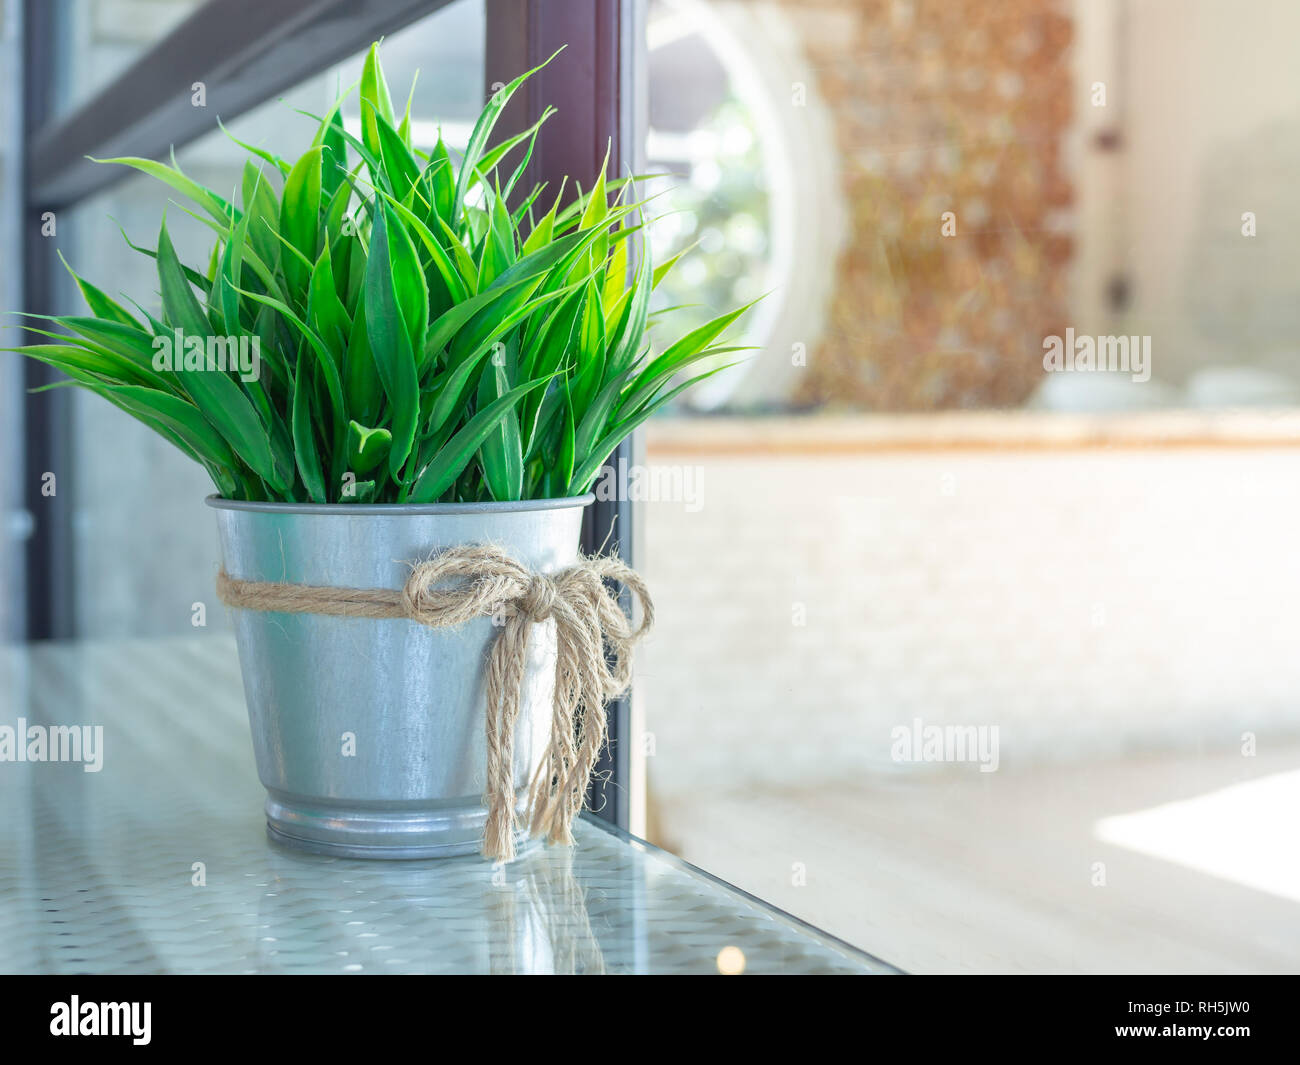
x: 805, y: 926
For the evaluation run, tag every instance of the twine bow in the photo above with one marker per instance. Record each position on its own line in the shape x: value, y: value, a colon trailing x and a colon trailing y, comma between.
x: 589, y: 622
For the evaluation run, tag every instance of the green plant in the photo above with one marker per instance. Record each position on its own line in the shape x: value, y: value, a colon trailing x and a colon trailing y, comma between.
x: 425, y: 330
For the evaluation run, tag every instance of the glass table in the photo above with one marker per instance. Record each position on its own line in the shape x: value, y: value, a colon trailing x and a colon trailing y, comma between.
x: 157, y: 861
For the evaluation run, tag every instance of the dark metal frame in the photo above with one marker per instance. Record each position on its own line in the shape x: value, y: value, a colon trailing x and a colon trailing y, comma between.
x: 245, y: 52
x: 47, y: 416
x: 592, y: 84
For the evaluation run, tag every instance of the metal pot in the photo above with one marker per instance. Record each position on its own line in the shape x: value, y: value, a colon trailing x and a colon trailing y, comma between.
x: 369, y: 734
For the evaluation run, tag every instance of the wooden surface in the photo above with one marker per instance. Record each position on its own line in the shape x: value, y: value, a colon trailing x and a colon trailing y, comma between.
x: 1012, y: 430
x: 955, y: 872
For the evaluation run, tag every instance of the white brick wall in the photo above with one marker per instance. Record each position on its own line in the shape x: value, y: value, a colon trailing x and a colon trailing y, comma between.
x: 1088, y: 602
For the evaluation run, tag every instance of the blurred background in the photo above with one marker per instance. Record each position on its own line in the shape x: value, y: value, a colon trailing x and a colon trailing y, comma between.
x: 892, y: 514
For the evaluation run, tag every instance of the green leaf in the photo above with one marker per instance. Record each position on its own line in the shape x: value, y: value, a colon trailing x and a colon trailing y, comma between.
x: 358, y: 492
x: 325, y: 311
x: 541, y: 234
x: 439, y: 179
x: 682, y: 352
x: 221, y: 400
x: 375, y: 101
x: 300, y: 217
x: 401, y: 166
x: 591, y: 348
x: 569, y: 214
x: 498, y: 252
x: 441, y: 473
x: 464, y: 262
x: 482, y: 131
x: 494, y: 155
x: 263, y: 213
x: 89, y: 358
x: 129, y: 342
x: 591, y: 465
x: 630, y: 324
x: 265, y: 156
x: 222, y: 211
x: 193, y: 276
x: 408, y: 281
x: 449, y: 325
x: 371, y: 159
x: 450, y: 277
x: 561, y: 471
x: 596, y: 417
x: 596, y: 215
x: 178, y: 421
x: 367, y: 448
x: 100, y: 305
x: 520, y: 170
x: 661, y: 271
x: 555, y: 337
x: 404, y: 130
x: 324, y: 359
x: 304, y: 444
x: 615, y: 274
x: 361, y: 380
x: 334, y: 157
x: 501, y: 453
x: 390, y: 340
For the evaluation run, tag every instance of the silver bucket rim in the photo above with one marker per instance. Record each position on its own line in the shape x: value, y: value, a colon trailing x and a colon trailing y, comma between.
x: 509, y: 507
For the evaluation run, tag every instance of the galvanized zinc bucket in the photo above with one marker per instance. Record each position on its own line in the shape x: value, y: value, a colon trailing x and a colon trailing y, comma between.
x: 369, y: 734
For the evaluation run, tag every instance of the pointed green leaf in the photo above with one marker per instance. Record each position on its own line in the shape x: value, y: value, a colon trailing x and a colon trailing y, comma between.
x: 300, y: 218
x: 205, y: 198
x: 501, y: 453
x: 441, y: 473
x: 390, y: 341
x: 304, y: 444
x: 375, y: 101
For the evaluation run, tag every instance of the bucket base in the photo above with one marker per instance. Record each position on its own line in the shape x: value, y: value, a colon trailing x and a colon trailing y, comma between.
x: 379, y: 833
x: 523, y: 844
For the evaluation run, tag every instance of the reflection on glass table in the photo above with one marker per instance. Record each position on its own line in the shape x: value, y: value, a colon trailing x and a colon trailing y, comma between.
x: 147, y: 853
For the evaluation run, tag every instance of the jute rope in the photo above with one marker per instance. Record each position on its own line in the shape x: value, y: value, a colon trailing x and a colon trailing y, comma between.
x: 588, y: 621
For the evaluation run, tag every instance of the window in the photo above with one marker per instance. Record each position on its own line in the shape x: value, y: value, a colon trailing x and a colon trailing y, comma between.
x: 971, y: 653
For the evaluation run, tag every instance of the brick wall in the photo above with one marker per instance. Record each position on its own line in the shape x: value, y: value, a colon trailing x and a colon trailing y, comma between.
x: 964, y: 107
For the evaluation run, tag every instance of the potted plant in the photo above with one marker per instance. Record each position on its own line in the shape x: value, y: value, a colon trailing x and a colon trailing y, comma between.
x: 403, y: 373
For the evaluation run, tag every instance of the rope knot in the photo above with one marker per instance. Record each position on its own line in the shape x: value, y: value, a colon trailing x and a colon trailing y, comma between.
x: 418, y: 602
x: 481, y: 582
x: 538, y: 601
